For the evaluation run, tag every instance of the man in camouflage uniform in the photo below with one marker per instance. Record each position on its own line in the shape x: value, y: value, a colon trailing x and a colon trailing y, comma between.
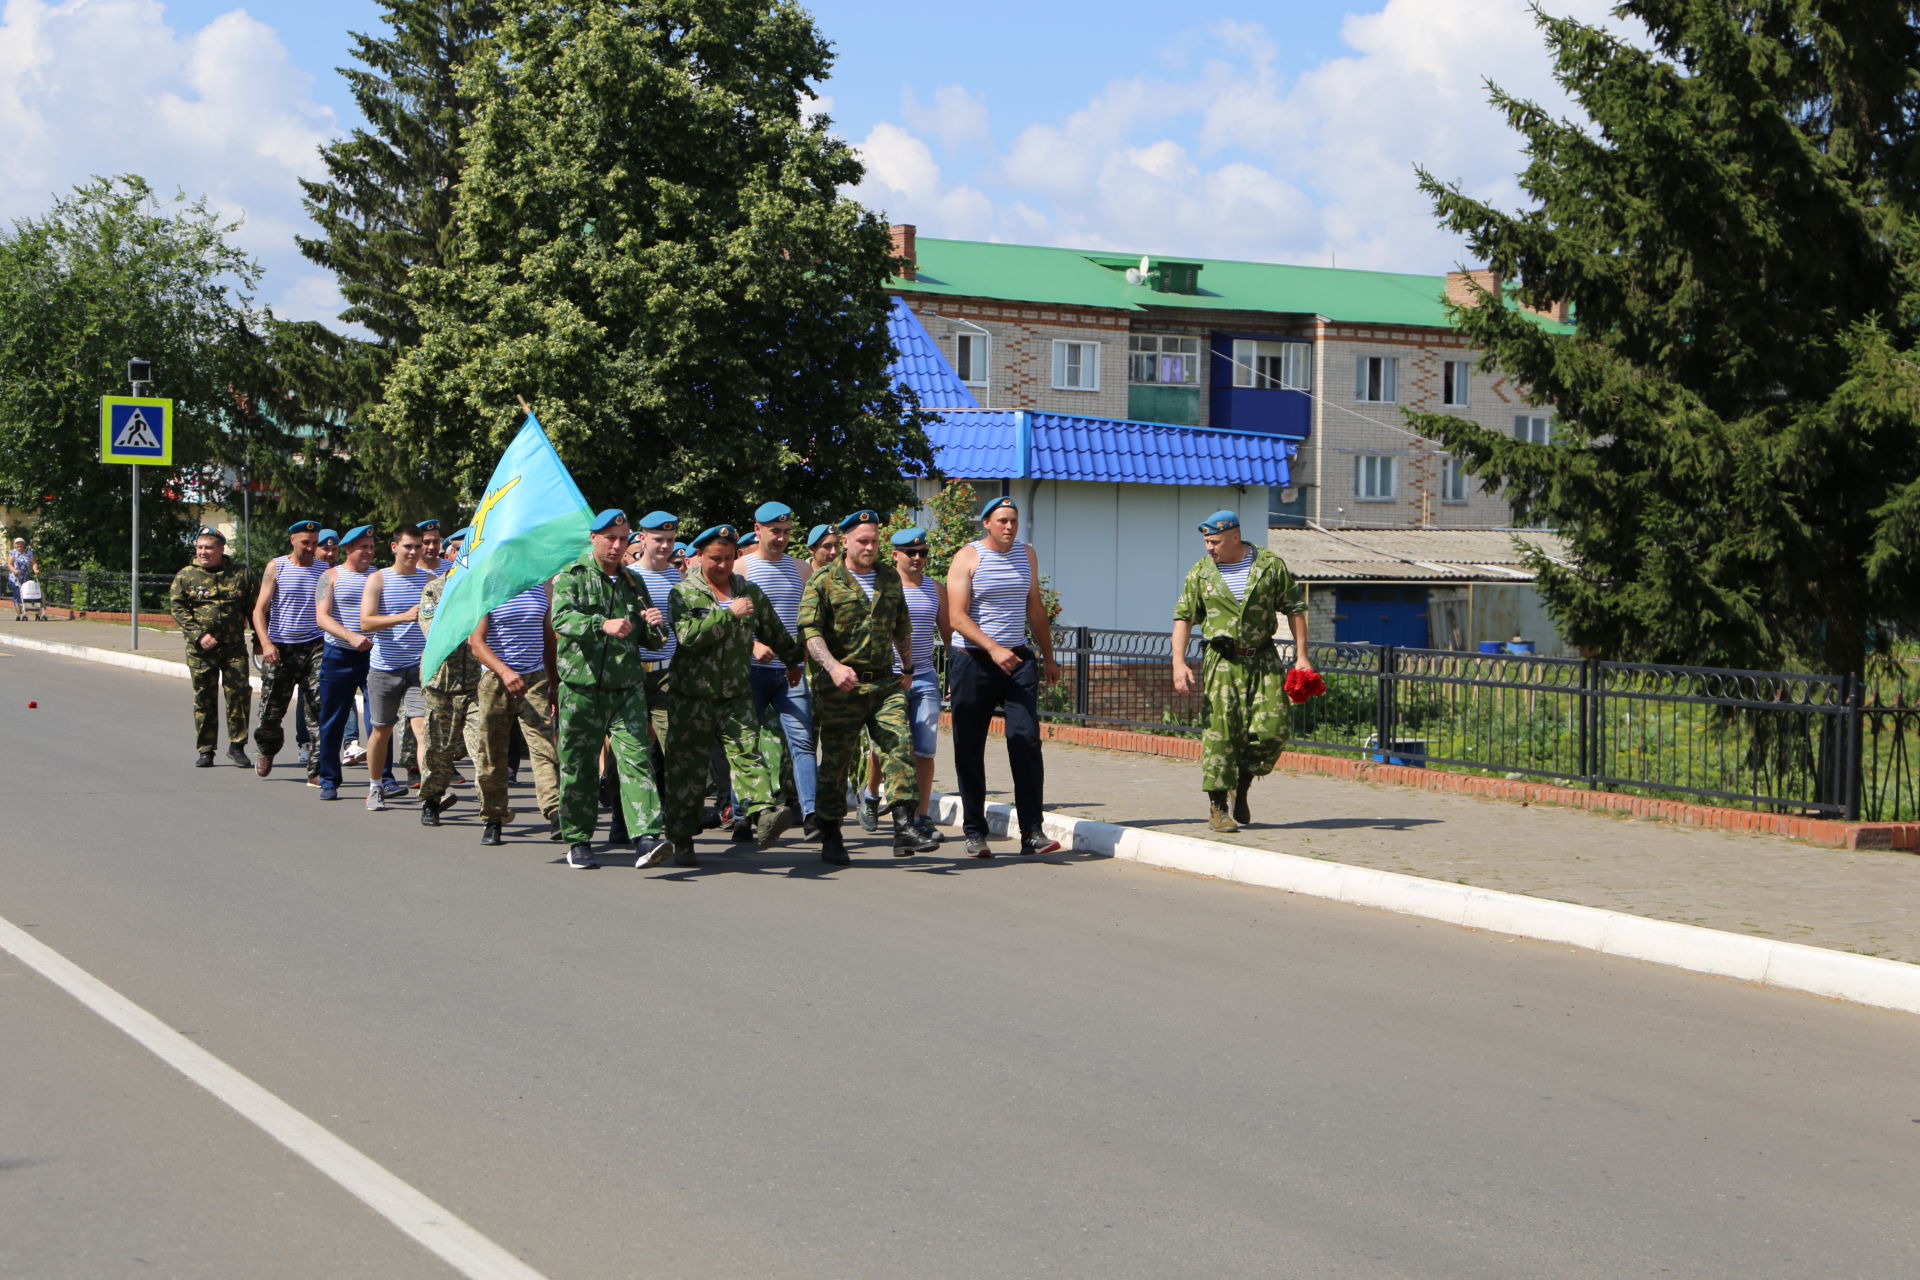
x: 602, y: 618
x: 451, y: 719
x: 1236, y: 594
x: 212, y: 599
x: 717, y: 616
x: 854, y: 622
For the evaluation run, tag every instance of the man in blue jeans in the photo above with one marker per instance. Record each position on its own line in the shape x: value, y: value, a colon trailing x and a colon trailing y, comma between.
x: 927, y: 607
x: 779, y: 690
x: 343, y: 663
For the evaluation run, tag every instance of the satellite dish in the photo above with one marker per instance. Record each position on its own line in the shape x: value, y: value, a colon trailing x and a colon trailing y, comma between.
x: 1142, y: 273
x: 1134, y: 276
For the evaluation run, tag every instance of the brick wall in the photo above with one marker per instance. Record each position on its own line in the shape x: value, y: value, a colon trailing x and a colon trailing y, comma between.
x: 1020, y: 366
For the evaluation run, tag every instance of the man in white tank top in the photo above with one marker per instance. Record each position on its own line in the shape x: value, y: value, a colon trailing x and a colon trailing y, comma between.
x: 289, y: 645
x: 993, y: 601
x: 781, y: 701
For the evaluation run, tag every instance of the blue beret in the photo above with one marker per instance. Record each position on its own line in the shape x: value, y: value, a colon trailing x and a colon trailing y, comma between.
x: 768, y: 512
x: 816, y: 533
x: 994, y: 504
x: 721, y: 532
x: 1220, y: 522
x: 682, y: 549
x: 605, y: 518
x: 356, y: 533
x: 461, y: 534
x: 208, y: 531
x: 659, y: 520
x: 853, y: 519
x: 633, y: 537
x: 304, y: 526
x: 914, y: 537
x: 424, y: 525
x: 329, y: 535
x: 751, y: 540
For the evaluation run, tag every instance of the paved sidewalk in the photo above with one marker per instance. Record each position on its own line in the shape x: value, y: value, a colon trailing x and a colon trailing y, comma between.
x: 1862, y: 901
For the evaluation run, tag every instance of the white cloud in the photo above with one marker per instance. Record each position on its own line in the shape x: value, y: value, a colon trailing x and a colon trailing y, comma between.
x: 108, y: 87
x: 904, y: 183
x: 957, y: 118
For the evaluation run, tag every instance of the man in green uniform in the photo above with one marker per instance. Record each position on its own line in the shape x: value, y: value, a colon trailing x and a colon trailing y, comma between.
x: 602, y: 618
x: 452, y: 721
x: 211, y: 599
x: 717, y: 617
x: 854, y: 622
x: 1236, y: 595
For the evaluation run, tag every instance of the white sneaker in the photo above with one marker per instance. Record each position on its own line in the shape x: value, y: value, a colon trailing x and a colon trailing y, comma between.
x: 353, y: 754
x: 376, y: 799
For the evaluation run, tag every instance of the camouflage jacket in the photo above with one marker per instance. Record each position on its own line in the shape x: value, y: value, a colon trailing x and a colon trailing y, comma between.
x: 460, y: 673
x: 716, y: 648
x: 859, y: 632
x: 214, y: 602
x: 584, y: 597
x: 1207, y: 602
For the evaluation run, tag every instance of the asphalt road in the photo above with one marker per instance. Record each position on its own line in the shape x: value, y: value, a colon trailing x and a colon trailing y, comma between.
x: 921, y: 1069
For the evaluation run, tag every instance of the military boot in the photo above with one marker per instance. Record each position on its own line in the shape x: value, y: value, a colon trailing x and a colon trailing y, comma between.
x: 907, y: 840
x: 1241, y: 813
x: 1217, y: 816
x: 832, y: 848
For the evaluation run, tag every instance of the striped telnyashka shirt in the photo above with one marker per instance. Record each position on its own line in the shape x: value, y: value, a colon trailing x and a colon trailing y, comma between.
x: 517, y: 630
x: 397, y: 648
x: 1000, y: 587
x: 660, y: 585
x: 780, y: 579
x: 290, y: 618
x: 923, y: 606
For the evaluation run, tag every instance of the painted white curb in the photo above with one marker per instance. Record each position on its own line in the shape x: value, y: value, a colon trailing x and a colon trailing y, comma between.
x: 1792, y: 966
x: 107, y: 657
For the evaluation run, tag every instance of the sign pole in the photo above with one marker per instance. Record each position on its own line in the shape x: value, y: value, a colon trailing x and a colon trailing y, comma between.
x: 133, y: 596
x: 136, y: 432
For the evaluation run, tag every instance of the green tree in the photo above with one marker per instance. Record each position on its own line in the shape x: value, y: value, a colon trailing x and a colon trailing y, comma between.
x: 1735, y: 449
x: 384, y: 208
x: 954, y: 511
x: 651, y: 248
x: 110, y: 273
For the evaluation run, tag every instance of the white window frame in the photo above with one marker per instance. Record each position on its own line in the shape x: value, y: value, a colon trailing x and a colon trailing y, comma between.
x: 1374, y: 478
x: 1157, y: 347
x: 1533, y: 428
x: 1456, y: 383
x: 1376, y: 374
x: 979, y: 363
x: 1089, y: 365
x: 1272, y: 366
x: 1453, y: 482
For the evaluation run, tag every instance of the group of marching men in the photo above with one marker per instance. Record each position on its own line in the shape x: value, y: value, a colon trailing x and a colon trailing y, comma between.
x: 655, y: 670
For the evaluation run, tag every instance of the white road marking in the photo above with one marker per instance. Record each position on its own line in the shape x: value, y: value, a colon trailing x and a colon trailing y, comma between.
x: 459, y: 1245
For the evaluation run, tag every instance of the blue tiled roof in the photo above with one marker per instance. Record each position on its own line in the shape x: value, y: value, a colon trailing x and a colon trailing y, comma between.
x: 1002, y: 444
x: 920, y: 365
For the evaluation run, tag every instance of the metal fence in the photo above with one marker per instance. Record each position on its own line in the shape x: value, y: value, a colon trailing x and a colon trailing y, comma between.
x: 102, y: 590
x: 1780, y: 741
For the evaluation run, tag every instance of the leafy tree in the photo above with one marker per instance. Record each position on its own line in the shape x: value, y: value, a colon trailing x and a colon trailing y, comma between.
x: 1735, y: 449
x: 113, y: 272
x: 651, y: 248
x: 954, y: 511
x: 384, y: 208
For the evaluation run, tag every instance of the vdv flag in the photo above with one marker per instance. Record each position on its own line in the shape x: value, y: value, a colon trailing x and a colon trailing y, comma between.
x: 531, y: 523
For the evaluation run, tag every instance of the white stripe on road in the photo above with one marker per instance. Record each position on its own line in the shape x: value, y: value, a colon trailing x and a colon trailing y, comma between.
x: 459, y: 1245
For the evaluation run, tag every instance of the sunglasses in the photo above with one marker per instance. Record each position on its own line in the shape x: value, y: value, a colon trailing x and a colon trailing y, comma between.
x: 913, y: 551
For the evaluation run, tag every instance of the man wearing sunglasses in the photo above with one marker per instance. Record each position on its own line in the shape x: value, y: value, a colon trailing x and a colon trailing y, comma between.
x: 927, y: 607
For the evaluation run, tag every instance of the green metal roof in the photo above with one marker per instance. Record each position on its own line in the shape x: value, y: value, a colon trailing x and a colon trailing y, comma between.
x: 1088, y: 278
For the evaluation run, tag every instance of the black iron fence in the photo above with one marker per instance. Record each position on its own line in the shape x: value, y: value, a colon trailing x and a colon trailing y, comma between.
x: 103, y: 590
x: 1780, y: 741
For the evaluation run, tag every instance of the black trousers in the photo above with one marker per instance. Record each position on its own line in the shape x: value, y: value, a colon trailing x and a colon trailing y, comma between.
x: 979, y: 688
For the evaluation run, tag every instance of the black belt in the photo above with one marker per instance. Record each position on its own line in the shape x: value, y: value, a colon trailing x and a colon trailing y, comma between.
x: 1231, y: 649
x: 874, y: 677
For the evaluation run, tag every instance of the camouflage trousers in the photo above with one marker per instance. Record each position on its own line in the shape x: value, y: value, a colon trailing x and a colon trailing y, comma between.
x: 497, y: 710
x: 879, y: 708
x: 694, y: 725
x: 299, y: 666
x: 587, y: 716
x: 210, y: 669
x: 453, y: 722
x: 1247, y: 714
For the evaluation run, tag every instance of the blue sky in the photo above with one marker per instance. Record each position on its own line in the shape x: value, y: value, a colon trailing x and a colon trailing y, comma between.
x: 1283, y: 132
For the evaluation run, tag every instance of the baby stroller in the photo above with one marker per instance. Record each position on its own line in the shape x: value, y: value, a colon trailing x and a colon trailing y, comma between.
x: 31, y: 605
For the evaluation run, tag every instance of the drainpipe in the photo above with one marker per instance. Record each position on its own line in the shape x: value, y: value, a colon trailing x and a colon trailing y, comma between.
x: 1023, y: 443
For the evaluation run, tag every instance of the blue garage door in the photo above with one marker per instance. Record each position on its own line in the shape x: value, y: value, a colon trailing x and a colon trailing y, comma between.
x: 1381, y: 615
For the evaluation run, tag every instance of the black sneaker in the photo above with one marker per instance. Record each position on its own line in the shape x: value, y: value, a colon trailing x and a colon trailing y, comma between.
x: 651, y: 851
x: 580, y: 857
x: 977, y: 847
x: 204, y: 760
x: 490, y: 833
x: 1034, y: 843
x: 429, y: 816
x: 810, y: 827
x: 928, y: 833
x: 238, y: 755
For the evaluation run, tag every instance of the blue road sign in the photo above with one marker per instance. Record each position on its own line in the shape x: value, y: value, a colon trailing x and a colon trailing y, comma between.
x: 136, y: 429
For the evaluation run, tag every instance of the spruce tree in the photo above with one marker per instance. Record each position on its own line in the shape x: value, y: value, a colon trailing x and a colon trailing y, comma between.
x: 1732, y: 227
x: 652, y: 250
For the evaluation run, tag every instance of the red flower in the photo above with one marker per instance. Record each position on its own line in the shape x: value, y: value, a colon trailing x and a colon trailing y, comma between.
x: 1302, y: 685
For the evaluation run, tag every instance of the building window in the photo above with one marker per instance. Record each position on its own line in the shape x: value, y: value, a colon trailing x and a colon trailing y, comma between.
x: 1373, y: 477
x: 1453, y: 482
x: 970, y: 358
x: 1272, y: 366
x: 1534, y: 430
x: 1374, y: 379
x: 1162, y: 358
x: 1076, y: 366
x: 1453, y: 383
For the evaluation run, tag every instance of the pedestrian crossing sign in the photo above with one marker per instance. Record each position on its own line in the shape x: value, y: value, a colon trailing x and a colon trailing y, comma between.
x: 136, y: 430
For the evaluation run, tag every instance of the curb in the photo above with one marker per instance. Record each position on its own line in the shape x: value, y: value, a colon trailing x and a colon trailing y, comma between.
x: 107, y: 657
x: 1790, y: 966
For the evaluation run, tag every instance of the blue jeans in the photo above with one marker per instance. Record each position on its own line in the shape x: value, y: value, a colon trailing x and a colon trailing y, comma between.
x: 343, y: 676
x: 795, y: 709
x: 923, y: 713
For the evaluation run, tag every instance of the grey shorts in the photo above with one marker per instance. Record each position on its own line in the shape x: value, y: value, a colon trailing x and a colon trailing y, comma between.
x: 392, y: 694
